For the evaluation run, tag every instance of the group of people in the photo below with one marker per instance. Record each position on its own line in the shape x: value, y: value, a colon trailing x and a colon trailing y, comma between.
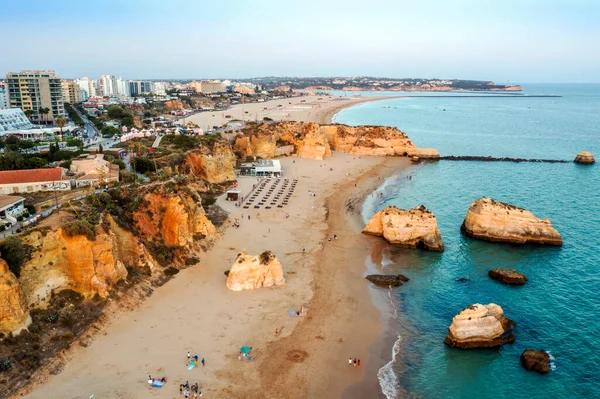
x: 188, y: 391
x: 355, y: 362
x: 152, y: 380
x: 332, y: 238
x: 193, y: 359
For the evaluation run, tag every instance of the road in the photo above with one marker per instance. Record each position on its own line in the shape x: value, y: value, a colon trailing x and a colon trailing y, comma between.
x: 94, y: 134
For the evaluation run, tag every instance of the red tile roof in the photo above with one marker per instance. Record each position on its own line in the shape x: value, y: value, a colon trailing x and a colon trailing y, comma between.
x: 30, y: 175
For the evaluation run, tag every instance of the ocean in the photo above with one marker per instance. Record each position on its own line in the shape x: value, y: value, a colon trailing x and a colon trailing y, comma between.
x: 557, y: 309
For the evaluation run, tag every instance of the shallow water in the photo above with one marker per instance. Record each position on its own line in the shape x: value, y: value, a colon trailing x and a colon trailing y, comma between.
x: 557, y: 309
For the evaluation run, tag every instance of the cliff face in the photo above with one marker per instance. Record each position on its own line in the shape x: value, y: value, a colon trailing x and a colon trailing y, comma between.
x: 499, y: 222
x: 251, y: 272
x: 14, y: 312
x: 214, y: 166
x: 316, y: 141
x: 480, y: 326
x: 175, y: 105
x: 413, y: 228
x: 90, y: 267
x: 174, y: 220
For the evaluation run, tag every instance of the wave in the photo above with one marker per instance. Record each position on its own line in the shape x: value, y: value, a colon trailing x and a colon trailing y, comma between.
x: 388, y: 380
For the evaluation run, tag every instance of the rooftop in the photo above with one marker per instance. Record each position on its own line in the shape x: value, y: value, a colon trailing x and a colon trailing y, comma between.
x: 30, y: 175
x: 6, y: 200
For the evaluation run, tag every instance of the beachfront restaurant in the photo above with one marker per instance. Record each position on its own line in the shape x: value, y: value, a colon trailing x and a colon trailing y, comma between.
x: 261, y: 168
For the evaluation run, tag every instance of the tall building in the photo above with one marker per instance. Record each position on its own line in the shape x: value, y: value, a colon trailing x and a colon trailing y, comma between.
x: 159, y: 88
x: 35, y: 90
x: 122, y: 88
x: 137, y: 87
x: 88, y: 86
x: 71, y: 92
x: 3, y: 96
x: 108, y: 86
x: 208, y: 86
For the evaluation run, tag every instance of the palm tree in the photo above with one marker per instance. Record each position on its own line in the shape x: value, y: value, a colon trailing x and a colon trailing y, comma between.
x: 29, y: 113
x: 60, y: 122
x: 45, y: 112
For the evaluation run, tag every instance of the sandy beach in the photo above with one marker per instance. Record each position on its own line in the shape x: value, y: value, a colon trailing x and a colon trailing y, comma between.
x: 319, y: 109
x: 196, y: 313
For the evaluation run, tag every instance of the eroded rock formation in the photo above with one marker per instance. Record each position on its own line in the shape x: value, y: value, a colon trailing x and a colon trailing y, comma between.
x: 251, y: 272
x: 14, y: 311
x: 413, y: 228
x: 175, y: 220
x: 480, y: 326
x: 214, y: 166
x: 383, y: 280
x: 316, y: 141
x: 585, y: 158
x: 499, y: 222
x: 536, y: 360
x: 507, y: 276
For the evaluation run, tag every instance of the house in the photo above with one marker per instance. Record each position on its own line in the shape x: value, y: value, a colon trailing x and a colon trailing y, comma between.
x: 93, y: 170
x: 31, y: 180
x: 262, y: 167
x: 10, y: 208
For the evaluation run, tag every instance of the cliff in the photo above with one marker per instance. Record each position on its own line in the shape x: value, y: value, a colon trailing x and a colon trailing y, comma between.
x: 251, y: 272
x: 413, y: 228
x: 14, y: 311
x: 213, y: 165
x: 175, y: 220
x: 311, y: 140
x: 480, y: 326
x: 88, y: 266
x: 173, y: 105
x: 499, y: 222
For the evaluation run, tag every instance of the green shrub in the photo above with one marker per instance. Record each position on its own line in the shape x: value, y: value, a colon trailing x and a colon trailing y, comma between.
x: 191, y: 261
x: 15, y: 253
x: 171, y: 271
x: 79, y: 228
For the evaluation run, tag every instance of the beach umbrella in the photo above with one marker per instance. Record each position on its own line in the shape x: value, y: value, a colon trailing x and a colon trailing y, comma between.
x: 245, y: 349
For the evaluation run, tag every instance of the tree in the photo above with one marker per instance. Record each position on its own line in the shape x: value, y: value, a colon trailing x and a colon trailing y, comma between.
x: 127, y: 121
x: 29, y: 113
x: 60, y: 122
x: 143, y: 165
x: 100, y: 149
x: 44, y: 112
x: 15, y: 253
x: 115, y: 112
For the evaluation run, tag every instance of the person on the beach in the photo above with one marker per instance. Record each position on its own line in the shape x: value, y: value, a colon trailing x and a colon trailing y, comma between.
x: 203, y: 362
x: 150, y: 380
x: 248, y: 217
x: 180, y: 389
x: 189, y: 356
x: 335, y: 236
x: 349, y: 361
x: 276, y: 331
x: 354, y: 362
x: 358, y: 363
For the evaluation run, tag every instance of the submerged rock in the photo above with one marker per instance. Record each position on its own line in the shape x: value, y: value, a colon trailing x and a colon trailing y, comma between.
x: 383, y: 280
x: 480, y: 326
x: 499, y: 222
x: 507, y: 276
x: 536, y: 360
x: 251, y: 272
x: 413, y: 228
x: 585, y: 158
x: 14, y: 311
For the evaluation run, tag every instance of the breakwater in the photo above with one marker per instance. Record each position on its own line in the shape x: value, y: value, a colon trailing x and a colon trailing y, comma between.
x: 501, y: 159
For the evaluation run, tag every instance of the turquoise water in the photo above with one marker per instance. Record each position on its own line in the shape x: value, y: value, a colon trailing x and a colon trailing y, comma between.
x: 558, y: 309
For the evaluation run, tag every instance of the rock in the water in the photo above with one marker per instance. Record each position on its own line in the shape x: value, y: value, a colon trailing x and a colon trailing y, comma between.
x: 480, y: 326
x: 250, y: 272
x: 499, y: 222
x: 537, y: 360
x: 14, y: 312
x: 384, y: 280
x: 414, y: 228
x: 508, y: 276
x: 462, y: 280
x: 585, y: 158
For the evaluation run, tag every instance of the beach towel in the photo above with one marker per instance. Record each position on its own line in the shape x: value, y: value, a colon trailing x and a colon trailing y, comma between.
x: 249, y: 357
x: 157, y: 384
x: 191, y: 366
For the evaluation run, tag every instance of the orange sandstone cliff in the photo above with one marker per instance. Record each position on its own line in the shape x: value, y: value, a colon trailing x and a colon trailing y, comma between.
x: 214, y: 166
x: 14, y: 312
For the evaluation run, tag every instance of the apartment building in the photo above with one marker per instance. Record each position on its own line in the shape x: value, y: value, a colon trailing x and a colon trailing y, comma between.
x: 88, y: 86
x: 208, y: 86
x: 137, y: 87
x: 35, y: 91
x: 71, y: 92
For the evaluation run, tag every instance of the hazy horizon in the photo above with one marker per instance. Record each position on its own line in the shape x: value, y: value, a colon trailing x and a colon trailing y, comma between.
x: 528, y: 41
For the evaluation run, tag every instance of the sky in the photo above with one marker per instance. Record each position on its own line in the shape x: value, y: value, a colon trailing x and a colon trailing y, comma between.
x: 502, y: 40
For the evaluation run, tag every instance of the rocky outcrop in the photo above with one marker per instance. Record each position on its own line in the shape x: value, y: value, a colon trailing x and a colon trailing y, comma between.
x: 585, y: 158
x: 480, y: 326
x: 383, y: 280
x: 176, y: 220
x: 499, y: 222
x: 214, y: 166
x: 507, y: 276
x: 316, y: 141
x: 173, y: 105
x: 536, y: 360
x: 413, y: 228
x: 14, y: 311
x: 88, y: 266
x: 251, y: 272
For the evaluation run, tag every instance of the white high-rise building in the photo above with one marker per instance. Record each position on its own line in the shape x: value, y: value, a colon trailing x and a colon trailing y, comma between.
x: 159, y: 88
x: 122, y: 87
x: 3, y: 96
x: 108, y: 86
x: 88, y: 85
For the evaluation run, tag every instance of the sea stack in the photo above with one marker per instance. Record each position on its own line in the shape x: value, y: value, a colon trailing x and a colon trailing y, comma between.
x: 585, y: 158
x: 480, y: 326
x: 536, y: 360
x: 499, y: 222
x: 413, y: 228
x: 507, y: 276
x: 384, y: 280
x: 251, y: 272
